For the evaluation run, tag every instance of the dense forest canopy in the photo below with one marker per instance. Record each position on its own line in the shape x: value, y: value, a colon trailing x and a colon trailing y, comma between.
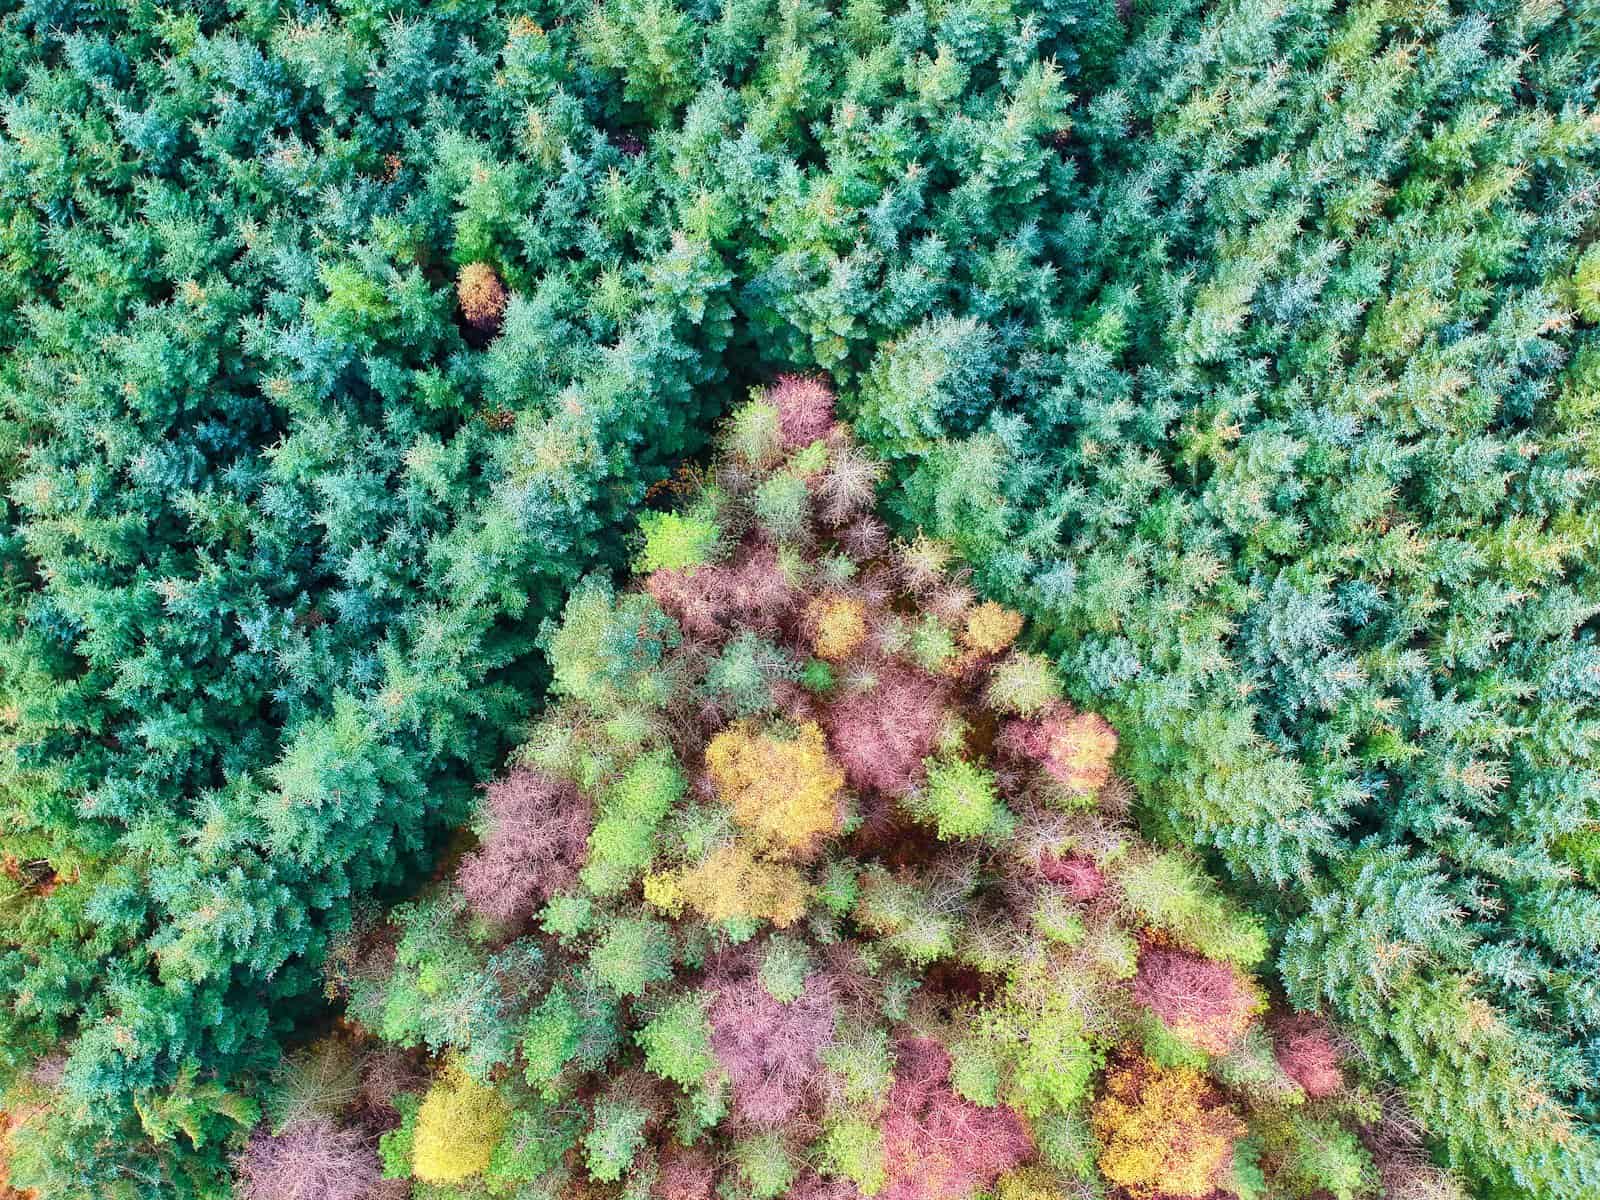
x: 1247, y: 350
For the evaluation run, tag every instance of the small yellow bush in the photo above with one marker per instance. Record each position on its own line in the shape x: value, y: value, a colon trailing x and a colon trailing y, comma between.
x: 664, y: 890
x: 459, y: 1124
x: 784, y: 790
x: 481, y: 294
x: 1028, y: 1183
x: 840, y: 627
x: 732, y: 882
x: 1164, y: 1131
x: 991, y: 628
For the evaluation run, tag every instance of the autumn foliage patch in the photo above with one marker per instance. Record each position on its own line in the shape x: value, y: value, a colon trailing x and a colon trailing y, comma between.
x: 813, y: 885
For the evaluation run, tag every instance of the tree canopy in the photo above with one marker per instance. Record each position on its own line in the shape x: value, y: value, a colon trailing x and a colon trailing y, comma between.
x: 1244, y: 352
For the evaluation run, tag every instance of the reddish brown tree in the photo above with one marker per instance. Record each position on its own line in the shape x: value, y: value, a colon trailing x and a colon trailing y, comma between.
x: 684, y: 1175
x: 310, y: 1160
x: 1307, y: 1055
x: 1077, y: 873
x: 937, y: 1145
x: 482, y: 297
x: 805, y: 409
x: 768, y: 1048
x: 750, y: 592
x: 1205, y: 1002
x: 881, y: 735
x: 537, y: 836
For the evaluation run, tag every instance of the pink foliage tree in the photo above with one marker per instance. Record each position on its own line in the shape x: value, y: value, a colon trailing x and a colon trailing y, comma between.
x: 1307, y: 1055
x: 769, y: 1048
x: 684, y: 1175
x: 880, y: 736
x: 937, y: 1145
x: 805, y: 409
x: 310, y: 1160
x: 749, y: 592
x: 538, y: 830
x: 1074, y: 748
x: 864, y: 538
x: 1207, y: 1003
x: 1077, y: 873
